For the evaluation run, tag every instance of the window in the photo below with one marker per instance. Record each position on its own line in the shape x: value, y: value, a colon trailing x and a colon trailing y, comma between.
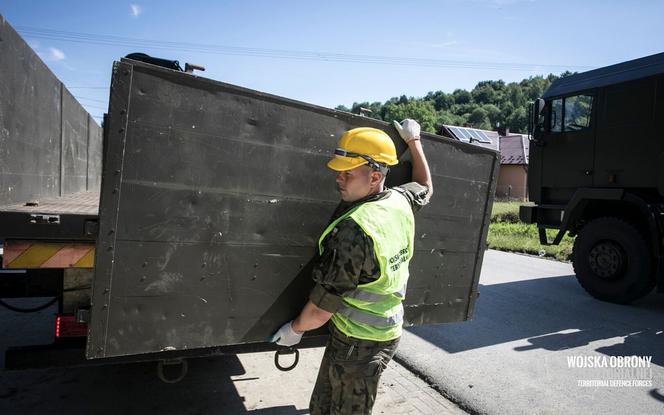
x: 577, y: 112
x: 557, y: 116
x: 571, y: 114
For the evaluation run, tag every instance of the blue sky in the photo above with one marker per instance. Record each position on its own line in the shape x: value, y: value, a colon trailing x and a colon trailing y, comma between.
x: 469, y: 41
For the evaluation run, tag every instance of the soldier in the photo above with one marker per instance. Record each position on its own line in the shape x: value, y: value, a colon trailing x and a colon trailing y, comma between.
x: 362, y: 271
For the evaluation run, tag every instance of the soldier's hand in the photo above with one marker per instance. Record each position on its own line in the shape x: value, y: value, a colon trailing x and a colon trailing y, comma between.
x: 408, y: 129
x: 286, y: 336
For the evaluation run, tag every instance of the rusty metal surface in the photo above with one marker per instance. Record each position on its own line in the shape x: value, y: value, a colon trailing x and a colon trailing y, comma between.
x: 213, y: 198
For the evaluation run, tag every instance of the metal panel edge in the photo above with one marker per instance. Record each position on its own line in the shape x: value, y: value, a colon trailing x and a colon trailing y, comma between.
x: 482, y: 242
x: 108, y: 207
x: 180, y: 78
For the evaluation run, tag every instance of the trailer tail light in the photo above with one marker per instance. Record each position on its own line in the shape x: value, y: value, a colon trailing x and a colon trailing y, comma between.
x: 66, y: 327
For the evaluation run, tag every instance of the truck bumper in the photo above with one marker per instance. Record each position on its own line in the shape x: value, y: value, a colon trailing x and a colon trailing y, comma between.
x: 528, y: 214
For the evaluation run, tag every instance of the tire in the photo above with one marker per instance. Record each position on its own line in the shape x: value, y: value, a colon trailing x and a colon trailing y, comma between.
x: 613, y: 261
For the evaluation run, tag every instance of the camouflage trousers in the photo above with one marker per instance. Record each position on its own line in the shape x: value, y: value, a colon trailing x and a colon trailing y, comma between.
x: 348, y: 377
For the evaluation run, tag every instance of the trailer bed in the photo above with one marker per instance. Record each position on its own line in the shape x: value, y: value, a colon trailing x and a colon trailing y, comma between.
x: 69, y: 217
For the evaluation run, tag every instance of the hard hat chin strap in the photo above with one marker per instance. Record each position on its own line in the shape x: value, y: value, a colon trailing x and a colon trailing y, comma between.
x: 372, y: 163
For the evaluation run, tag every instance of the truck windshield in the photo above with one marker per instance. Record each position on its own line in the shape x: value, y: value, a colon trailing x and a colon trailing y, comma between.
x: 577, y: 112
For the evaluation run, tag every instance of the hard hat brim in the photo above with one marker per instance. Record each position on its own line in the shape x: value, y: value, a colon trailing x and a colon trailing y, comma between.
x: 341, y: 163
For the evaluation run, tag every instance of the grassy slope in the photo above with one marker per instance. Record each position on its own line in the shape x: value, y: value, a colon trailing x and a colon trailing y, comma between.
x: 506, y: 233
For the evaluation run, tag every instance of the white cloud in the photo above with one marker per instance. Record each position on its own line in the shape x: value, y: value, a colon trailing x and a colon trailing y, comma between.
x: 56, y: 54
x: 136, y: 10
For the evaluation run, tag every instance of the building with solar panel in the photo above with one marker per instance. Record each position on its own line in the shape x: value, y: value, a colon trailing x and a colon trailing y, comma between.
x: 513, y: 149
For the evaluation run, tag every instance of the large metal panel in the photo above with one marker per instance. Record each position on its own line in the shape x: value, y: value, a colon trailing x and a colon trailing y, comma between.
x: 212, y: 201
x: 93, y: 180
x: 29, y: 122
x: 44, y: 131
x: 74, y: 155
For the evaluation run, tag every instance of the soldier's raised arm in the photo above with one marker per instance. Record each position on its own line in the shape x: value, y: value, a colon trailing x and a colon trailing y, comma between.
x: 409, y: 130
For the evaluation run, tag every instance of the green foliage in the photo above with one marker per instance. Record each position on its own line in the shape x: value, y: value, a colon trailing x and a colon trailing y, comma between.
x: 422, y: 111
x: 461, y: 96
x: 479, y: 118
x: 505, y: 212
x: 488, y: 105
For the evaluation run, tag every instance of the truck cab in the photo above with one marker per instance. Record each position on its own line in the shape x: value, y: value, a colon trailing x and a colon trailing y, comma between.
x: 597, y: 172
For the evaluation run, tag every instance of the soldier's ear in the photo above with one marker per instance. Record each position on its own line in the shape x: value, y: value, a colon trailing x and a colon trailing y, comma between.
x: 376, y: 177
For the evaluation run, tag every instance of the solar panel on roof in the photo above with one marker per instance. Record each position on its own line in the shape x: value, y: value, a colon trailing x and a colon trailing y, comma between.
x: 474, y: 134
x: 482, y: 137
x: 464, y: 133
x: 469, y: 134
x: 456, y: 132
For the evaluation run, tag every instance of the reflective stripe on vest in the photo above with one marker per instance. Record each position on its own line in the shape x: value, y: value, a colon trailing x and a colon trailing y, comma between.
x: 364, y: 295
x: 372, y: 319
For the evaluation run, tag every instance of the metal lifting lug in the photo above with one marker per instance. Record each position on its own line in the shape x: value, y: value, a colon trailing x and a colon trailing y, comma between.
x: 286, y: 351
x: 184, y: 367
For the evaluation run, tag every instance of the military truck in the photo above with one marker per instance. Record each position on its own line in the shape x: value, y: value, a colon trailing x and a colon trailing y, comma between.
x: 188, y: 225
x: 597, y: 171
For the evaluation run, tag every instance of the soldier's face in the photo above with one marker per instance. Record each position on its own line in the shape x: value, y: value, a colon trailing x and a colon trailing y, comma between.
x: 357, y: 183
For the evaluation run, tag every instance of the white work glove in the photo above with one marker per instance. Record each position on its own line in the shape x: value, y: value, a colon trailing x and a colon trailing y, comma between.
x: 409, y: 129
x: 286, y: 336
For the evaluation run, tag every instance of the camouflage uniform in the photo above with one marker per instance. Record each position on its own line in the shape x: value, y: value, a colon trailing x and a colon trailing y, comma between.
x: 350, y: 370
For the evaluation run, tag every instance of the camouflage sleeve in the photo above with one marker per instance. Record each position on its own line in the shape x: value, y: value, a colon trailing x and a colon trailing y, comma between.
x: 347, y: 258
x: 417, y: 194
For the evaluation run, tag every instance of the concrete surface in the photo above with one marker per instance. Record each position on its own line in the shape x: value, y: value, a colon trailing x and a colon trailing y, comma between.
x: 531, y: 315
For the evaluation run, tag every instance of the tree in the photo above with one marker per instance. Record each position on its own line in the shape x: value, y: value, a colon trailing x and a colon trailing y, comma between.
x: 461, y: 96
x: 479, y: 119
x: 486, y: 105
x: 494, y: 115
x: 422, y: 111
x: 441, y: 101
x: 448, y: 118
x: 518, y: 120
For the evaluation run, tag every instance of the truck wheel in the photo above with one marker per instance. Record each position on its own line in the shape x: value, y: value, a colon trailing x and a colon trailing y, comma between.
x: 613, y: 261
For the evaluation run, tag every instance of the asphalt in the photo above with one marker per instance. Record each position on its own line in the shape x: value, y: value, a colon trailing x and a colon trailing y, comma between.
x: 512, y: 358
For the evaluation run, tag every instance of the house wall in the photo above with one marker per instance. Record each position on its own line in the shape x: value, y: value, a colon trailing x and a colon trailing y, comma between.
x: 512, y: 182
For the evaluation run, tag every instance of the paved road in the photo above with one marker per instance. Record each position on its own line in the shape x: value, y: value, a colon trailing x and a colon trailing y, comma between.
x: 511, y: 359
x: 530, y: 317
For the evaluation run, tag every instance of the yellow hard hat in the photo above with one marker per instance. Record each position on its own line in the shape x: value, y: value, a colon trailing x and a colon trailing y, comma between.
x: 363, y: 145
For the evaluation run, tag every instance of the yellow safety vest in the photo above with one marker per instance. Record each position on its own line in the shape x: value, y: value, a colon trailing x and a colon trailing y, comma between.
x: 374, y: 311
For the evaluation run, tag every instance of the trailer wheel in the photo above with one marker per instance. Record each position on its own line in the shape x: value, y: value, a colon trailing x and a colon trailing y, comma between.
x: 612, y: 261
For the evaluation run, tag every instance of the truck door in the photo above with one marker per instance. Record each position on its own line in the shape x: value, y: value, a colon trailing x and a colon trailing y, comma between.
x: 568, y: 147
